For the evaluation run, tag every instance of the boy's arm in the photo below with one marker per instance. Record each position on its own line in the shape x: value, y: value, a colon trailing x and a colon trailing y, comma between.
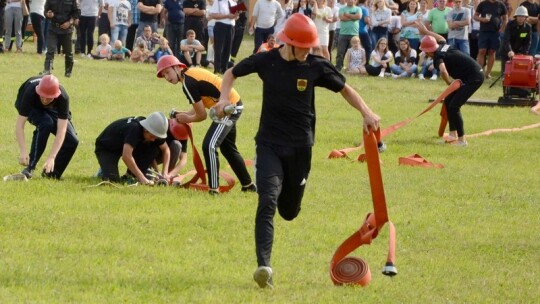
x: 424, y: 31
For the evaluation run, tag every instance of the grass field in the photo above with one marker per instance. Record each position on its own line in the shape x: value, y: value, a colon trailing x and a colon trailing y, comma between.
x: 467, y: 233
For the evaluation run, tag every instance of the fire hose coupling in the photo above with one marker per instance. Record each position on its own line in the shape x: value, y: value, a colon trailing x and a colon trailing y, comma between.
x: 230, y: 109
x: 389, y: 269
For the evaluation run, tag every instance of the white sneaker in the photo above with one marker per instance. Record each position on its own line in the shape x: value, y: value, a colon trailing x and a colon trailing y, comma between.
x: 434, y: 77
x: 395, y: 76
x: 381, y: 75
x: 421, y: 76
x: 263, y: 277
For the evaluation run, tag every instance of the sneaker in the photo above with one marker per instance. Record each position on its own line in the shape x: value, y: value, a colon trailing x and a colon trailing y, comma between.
x: 382, y: 147
x: 395, y: 76
x: 381, y: 75
x: 263, y: 277
x: 27, y: 172
x: 50, y: 175
x: 67, y: 74
x: 413, y: 75
x: 434, y: 77
x: 249, y: 188
x: 421, y: 76
x: 460, y: 143
x: 213, y: 191
x: 89, y: 56
x: 387, y: 74
x: 488, y: 76
x: 99, y: 173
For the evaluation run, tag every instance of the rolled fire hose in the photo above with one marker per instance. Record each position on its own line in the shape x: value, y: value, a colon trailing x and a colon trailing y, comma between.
x: 353, y: 270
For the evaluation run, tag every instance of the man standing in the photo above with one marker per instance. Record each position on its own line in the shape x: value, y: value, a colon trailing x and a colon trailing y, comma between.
x: 223, y: 33
x: 137, y: 140
x: 194, y: 11
x: 132, y: 29
x: 436, y: 20
x: 264, y: 17
x: 492, y: 15
x: 150, y: 10
x: 287, y: 128
x: 517, y: 37
x: 174, y: 14
x: 459, y: 20
x: 453, y: 63
x: 62, y: 14
x: 44, y: 103
x: 349, y: 27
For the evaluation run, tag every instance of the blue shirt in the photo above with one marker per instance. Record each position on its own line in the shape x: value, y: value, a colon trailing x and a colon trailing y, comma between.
x: 134, y: 11
x: 175, y: 11
x: 362, y: 21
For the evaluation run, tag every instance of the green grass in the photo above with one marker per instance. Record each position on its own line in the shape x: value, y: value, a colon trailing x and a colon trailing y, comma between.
x: 466, y: 233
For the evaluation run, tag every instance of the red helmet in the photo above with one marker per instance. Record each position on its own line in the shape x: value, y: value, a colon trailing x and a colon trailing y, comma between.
x: 48, y: 87
x: 168, y: 61
x: 429, y: 44
x: 299, y: 31
x: 179, y: 130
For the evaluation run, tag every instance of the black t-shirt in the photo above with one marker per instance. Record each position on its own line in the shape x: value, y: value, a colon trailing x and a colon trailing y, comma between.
x: 458, y: 64
x: 288, y: 109
x: 497, y: 9
x: 533, y: 9
x: 123, y: 131
x: 146, y: 17
x: 28, y: 99
x: 200, y: 4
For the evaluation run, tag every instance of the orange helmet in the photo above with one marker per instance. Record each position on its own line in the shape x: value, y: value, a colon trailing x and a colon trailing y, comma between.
x: 429, y: 44
x: 299, y: 31
x: 179, y: 130
x: 168, y: 61
x: 48, y: 87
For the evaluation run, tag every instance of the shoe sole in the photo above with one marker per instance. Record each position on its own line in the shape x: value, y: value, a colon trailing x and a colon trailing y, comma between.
x: 262, y: 277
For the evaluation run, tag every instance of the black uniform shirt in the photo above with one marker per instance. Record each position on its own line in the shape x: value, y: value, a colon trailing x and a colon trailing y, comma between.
x: 458, y: 64
x: 147, y: 17
x: 63, y: 10
x: 123, y: 131
x: 497, y: 9
x: 517, y: 38
x: 28, y: 99
x: 288, y: 109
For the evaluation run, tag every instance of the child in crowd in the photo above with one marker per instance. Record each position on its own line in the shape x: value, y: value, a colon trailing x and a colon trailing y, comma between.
x: 140, y: 53
x: 103, y: 51
x: 163, y: 49
x: 119, y: 52
x: 269, y: 44
x: 192, y: 49
x: 355, y: 58
x: 427, y: 68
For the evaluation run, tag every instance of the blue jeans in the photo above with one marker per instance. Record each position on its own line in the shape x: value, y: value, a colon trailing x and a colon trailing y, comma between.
x: 534, y: 44
x: 460, y: 44
x: 396, y: 69
x: 119, y: 32
x: 426, y: 72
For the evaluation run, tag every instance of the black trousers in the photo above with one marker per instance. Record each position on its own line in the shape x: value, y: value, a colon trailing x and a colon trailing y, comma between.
x: 281, y: 175
x: 55, y: 36
x: 223, y: 35
x: 143, y: 153
x: 37, y: 24
x: 224, y: 137
x: 46, y: 122
x: 87, y: 25
x: 130, y: 39
x: 457, y: 99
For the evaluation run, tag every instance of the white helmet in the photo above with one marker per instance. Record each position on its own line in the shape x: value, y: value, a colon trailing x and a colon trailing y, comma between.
x: 521, y: 11
x: 157, y: 124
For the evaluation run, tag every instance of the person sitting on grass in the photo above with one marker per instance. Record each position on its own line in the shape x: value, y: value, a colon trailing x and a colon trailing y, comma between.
x: 140, y: 53
x: 137, y: 141
x: 163, y: 49
x: 119, y: 52
x: 103, y: 50
x: 355, y: 58
x: 192, y: 50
